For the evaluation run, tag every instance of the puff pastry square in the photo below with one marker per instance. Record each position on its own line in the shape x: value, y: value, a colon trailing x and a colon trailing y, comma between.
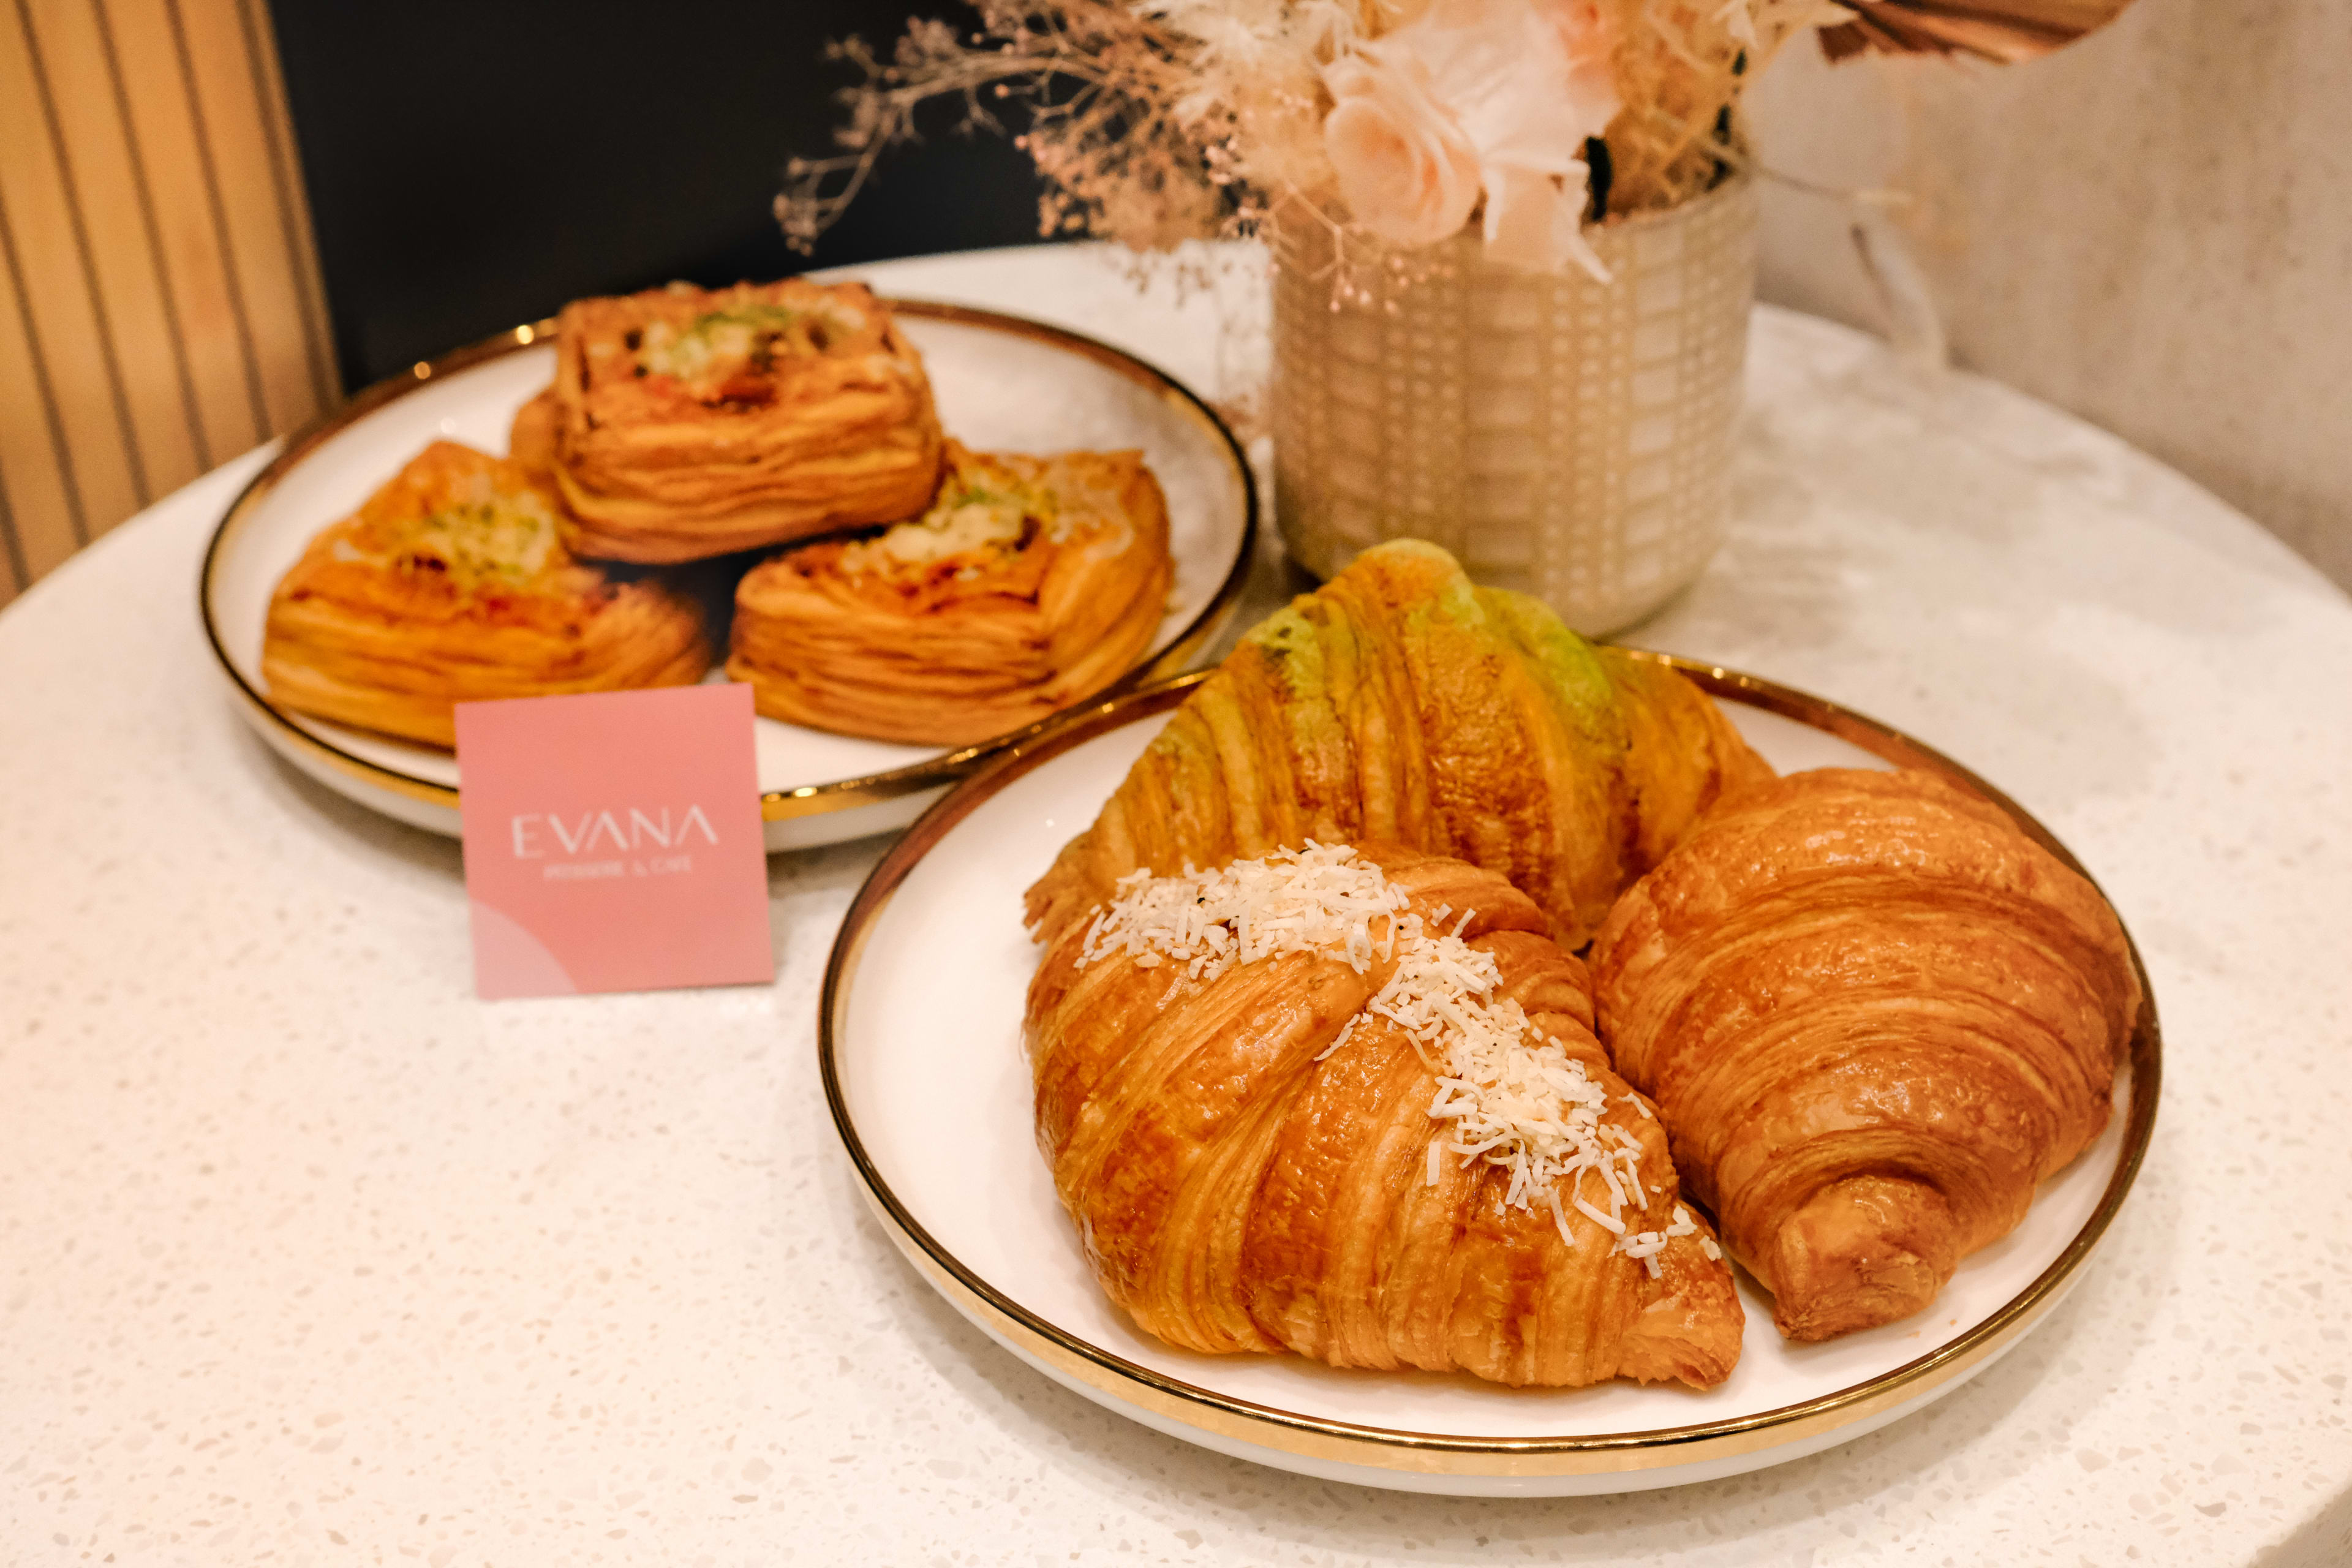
x: 690, y: 422
x: 451, y: 584
x: 1030, y: 583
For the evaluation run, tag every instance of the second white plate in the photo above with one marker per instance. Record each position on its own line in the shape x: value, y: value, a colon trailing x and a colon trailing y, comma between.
x: 921, y: 1041
x: 1003, y: 383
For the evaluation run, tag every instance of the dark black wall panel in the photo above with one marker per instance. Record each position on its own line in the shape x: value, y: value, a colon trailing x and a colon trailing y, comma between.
x: 472, y: 165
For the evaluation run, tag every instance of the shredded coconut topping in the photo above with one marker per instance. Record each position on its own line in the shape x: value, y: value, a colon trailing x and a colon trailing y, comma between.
x: 1516, y: 1100
x: 1315, y: 900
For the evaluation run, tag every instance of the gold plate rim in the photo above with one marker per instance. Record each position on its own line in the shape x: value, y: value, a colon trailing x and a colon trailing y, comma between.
x: 1318, y: 1438
x: 775, y: 805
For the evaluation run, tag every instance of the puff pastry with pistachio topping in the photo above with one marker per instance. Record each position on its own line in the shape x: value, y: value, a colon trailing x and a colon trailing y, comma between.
x: 690, y: 422
x: 450, y: 585
x: 1030, y: 583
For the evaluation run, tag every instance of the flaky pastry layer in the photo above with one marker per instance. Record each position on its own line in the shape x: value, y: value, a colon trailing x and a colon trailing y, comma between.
x: 1033, y: 582
x: 451, y: 584
x: 690, y: 422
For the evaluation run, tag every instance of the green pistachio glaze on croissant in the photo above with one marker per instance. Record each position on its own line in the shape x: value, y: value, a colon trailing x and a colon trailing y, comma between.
x: 1402, y: 703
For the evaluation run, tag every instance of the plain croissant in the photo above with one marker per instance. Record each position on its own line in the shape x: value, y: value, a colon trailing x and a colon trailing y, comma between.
x: 1399, y: 704
x: 1874, y: 1015
x: 1253, y: 1163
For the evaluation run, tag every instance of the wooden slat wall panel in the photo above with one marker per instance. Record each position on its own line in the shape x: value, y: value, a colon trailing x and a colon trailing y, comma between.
x: 160, y: 306
x: 230, y: 99
x: 124, y: 273
x: 60, y: 323
x: 35, y: 485
x: 289, y: 209
x: 184, y: 184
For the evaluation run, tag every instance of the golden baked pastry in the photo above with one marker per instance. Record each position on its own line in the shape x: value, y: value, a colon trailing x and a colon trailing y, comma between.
x: 451, y: 585
x: 1874, y: 1015
x: 1347, y: 1104
x: 530, y: 440
x: 1402, y: 704
x: 691, y: 421
x: 1031, y: 583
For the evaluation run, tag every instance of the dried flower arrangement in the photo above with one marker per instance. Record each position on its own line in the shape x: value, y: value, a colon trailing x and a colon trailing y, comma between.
x: 1159, y: 121
x: 1396, y: 123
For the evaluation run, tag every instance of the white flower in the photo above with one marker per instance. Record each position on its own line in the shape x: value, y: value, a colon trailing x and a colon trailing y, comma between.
x: 1522, y: 82
x: 1405, y: 169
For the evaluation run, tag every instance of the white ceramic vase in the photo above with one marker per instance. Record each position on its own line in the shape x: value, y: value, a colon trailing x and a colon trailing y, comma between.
x: 1563, y: 437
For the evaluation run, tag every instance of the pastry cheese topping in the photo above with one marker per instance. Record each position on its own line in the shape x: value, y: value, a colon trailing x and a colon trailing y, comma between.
x: 718, y: 345
x: 481, y: 533
x: 962, y: 524
x: 982, y: 511
x: 1514, y: 1099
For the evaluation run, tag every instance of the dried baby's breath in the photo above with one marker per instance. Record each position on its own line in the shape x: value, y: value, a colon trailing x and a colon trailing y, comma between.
x: 1680, y: 65
x: 1151, y: 125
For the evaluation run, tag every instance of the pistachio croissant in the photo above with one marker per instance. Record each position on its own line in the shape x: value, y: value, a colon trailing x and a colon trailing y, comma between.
x: 1874, y: 1015
x: 1346, y: 1103
x: 1401, y: 703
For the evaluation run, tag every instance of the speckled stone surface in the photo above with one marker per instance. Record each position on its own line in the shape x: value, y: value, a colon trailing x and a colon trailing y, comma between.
x: 308, y: 1256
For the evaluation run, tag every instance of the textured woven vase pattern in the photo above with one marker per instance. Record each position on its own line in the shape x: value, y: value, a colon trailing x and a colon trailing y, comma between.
x: 1566, y: 438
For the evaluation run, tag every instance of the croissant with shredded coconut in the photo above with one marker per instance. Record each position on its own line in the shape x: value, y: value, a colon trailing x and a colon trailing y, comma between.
x: 1031, y: 584
x: 1399, y: 704
x: 1346, y: 1103
x: 1875, y: 1016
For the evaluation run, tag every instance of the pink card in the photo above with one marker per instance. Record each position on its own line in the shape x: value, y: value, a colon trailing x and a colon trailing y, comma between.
x: 613, y: 842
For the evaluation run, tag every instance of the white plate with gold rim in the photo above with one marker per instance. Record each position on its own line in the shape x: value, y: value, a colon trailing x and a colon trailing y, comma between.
x: 920, y: 1039
x: 1003, y: 383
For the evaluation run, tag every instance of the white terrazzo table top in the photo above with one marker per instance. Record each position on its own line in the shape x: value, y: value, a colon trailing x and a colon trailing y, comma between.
x: 306, y: 1256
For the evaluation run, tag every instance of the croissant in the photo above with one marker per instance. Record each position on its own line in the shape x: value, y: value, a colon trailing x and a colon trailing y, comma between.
x: 1399, y: 704
x: 449, y: 585
x: 1030, y: 585
x: 1347, y: 1104
x: 1874, y: 1015
x: 690, y: 422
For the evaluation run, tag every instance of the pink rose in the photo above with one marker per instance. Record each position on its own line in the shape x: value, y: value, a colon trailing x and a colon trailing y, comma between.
x: 1406, y: 171
x: 1471, y: 94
